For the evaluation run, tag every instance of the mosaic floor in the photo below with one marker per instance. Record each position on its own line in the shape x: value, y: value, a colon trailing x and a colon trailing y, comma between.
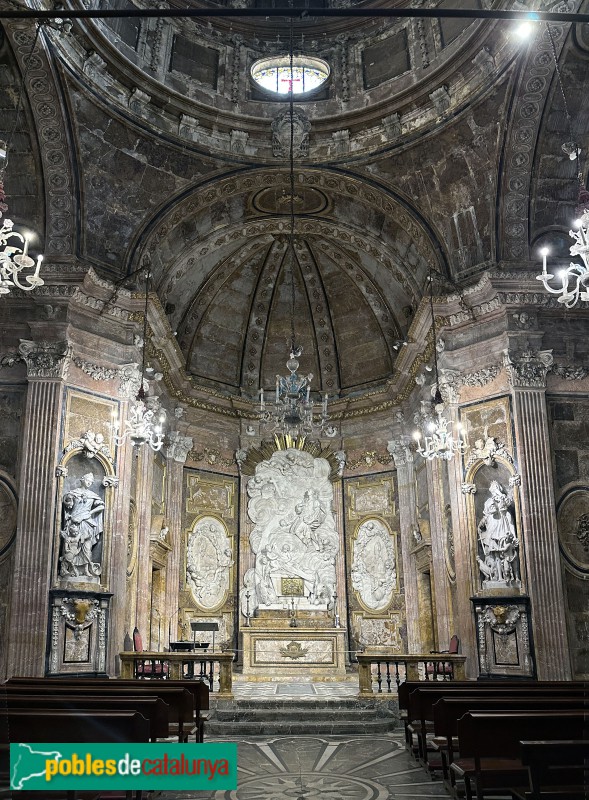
x: 324, y: 768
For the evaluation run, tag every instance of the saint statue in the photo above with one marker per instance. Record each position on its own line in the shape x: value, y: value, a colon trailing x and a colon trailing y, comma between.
x: 81, y: 528
x: 499, y: 543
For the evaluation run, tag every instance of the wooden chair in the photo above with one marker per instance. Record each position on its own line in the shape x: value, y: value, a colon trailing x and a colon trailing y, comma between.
x: 443, y: 668
x: 151, y: 668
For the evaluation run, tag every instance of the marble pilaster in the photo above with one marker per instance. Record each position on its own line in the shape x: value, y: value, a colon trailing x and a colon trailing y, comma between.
x: 47, y: 364
x: 403, y: 458
x: 442, y: 621
x: 527, y: 372
x: 176, y: 452
x: 143, y: 499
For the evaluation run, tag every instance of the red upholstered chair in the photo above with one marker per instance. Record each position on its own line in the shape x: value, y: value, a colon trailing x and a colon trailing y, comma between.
x: 152, y: 668
x: 444, y: 669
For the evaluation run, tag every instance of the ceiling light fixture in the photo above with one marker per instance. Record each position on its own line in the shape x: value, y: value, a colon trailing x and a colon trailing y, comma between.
x: 574, y: 279
x: 291, y: 410
x: 438, y: 440
x: 17, y: 268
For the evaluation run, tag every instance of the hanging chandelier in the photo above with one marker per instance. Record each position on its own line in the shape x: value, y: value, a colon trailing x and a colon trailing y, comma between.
x: 574, y: 279
x: 17, y: 268
x: 15, y: 261
x: 144, y: 423
x: 291, y: 411
x: 438, y: 440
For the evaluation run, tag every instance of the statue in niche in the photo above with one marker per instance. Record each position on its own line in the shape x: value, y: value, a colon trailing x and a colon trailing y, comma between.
x: 82, y: 525
x: 499, y: 561
x: 294, y: 535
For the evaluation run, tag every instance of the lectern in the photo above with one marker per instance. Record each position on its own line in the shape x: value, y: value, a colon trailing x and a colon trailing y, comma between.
x: 204, y: 626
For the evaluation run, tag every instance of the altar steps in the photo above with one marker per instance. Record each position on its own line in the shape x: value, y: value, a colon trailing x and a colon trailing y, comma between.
x: 313, y: 716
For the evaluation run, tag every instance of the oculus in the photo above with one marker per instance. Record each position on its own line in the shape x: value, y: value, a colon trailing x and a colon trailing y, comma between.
x: 274, y: 74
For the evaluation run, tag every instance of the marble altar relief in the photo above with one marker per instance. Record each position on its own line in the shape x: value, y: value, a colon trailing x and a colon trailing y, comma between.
x: 294, y: 534
x: 209, y: 559
x: 374, y: 570
x: 375, y: 497
x: 379, y: 631
x: 212, y: 494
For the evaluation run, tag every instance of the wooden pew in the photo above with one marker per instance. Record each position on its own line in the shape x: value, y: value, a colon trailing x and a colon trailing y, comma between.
x: 419, y: 720
x: 155, y: 711
x: 448, y: 710
x: 35, y: 726
x: 490, y: 751
x: 179, y: 700
x: 558, y: 770
x: 198, y: 689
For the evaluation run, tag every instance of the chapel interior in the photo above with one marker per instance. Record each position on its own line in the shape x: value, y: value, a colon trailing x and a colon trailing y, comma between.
x: 383, y: 232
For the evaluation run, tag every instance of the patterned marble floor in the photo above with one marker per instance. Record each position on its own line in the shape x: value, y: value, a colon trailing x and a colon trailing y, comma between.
x: 324, y: 768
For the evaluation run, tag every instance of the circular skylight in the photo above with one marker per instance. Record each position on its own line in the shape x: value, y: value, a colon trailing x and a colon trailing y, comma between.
x: 274, y: 75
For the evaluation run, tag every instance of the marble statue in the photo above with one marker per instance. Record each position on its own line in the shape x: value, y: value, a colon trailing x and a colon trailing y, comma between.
x: 499, y: 563
x: 208, y: 561
x: 294, y: 534
x: 374, y: 574
x: 81, y: 528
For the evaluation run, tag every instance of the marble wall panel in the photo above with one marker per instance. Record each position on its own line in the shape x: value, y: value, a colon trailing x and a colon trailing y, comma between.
x: 11, y: 409
x: 208, y: 572
x: 371, y: 524
x: 488, y: 420
x: 84, y: 411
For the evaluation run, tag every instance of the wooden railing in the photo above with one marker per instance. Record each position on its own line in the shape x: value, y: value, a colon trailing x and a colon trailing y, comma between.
x: 212, y: 668
x: 386, y: 671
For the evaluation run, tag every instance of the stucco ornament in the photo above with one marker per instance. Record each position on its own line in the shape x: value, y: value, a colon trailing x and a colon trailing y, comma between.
x: 208, y: 561
x: 374, y: 573
x: 281, y: 134
x: 294, y: 534
x: 498, y: 557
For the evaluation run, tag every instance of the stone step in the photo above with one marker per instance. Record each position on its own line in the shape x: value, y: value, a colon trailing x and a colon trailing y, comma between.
x: 297, y: 728
x: 269, y: 716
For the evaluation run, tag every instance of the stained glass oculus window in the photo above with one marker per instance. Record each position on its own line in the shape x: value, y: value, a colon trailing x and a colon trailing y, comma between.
x: 274, y: 75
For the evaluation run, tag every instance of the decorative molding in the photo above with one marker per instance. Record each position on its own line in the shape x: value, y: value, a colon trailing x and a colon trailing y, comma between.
x: 468, y: 488
x: 91, y: 444
x: 178, y: 446
x: 570, y: 372
x: 45, y: 359
x: 127, y: 374
x: 370, y: 458
x: 528, y: 369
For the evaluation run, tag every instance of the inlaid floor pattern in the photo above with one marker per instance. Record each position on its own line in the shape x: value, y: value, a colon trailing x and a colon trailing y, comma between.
x: 324, y: 768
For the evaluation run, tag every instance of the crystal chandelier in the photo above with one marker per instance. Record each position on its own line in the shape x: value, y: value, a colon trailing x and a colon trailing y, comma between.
x: 574, y: 280
x: 17, y: 268
x: 145, y: 418
x: 438, y: 439
x: 290, y: 412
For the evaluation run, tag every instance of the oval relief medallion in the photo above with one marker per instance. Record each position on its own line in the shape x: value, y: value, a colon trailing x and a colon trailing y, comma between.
x: 374, y: 568
x: 7, y: 515
x: 209, y: 559
x: 573, y: 528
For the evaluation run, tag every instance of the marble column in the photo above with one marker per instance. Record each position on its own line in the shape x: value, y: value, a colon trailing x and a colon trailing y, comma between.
x: 119, y: 541
x: 144, y: 566
x: 527, y: 372
x: 47, y: 364
x: 442, y: 622
x: 176, y: 452
x: 403, y: 458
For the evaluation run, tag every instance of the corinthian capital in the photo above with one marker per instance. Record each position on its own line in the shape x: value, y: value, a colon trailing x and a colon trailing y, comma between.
x: 45, y: 359
x: 400, y: 451
x: 528, y: 369
x: 178, y: 446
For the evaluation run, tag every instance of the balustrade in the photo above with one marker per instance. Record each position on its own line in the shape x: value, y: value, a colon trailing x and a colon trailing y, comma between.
x: 212, y: 668
x: 387, y: 671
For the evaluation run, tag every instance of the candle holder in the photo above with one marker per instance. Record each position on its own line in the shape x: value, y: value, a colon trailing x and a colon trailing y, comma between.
x: 247, y: 610
x: 293, y: 614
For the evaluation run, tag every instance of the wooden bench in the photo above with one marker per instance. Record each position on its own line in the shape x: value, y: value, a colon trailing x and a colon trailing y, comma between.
x: 448, y: 710
x: 179, y: 700
x: 35, y: 726
x: 490, y: 750
x: 419, y: 718
x: 558, y: 770
x: 198, y: 689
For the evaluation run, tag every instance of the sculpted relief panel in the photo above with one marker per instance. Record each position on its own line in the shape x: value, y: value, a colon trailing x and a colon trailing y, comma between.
x: 294, y: 533
x: 209, y: 560
x: 374, y: 569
